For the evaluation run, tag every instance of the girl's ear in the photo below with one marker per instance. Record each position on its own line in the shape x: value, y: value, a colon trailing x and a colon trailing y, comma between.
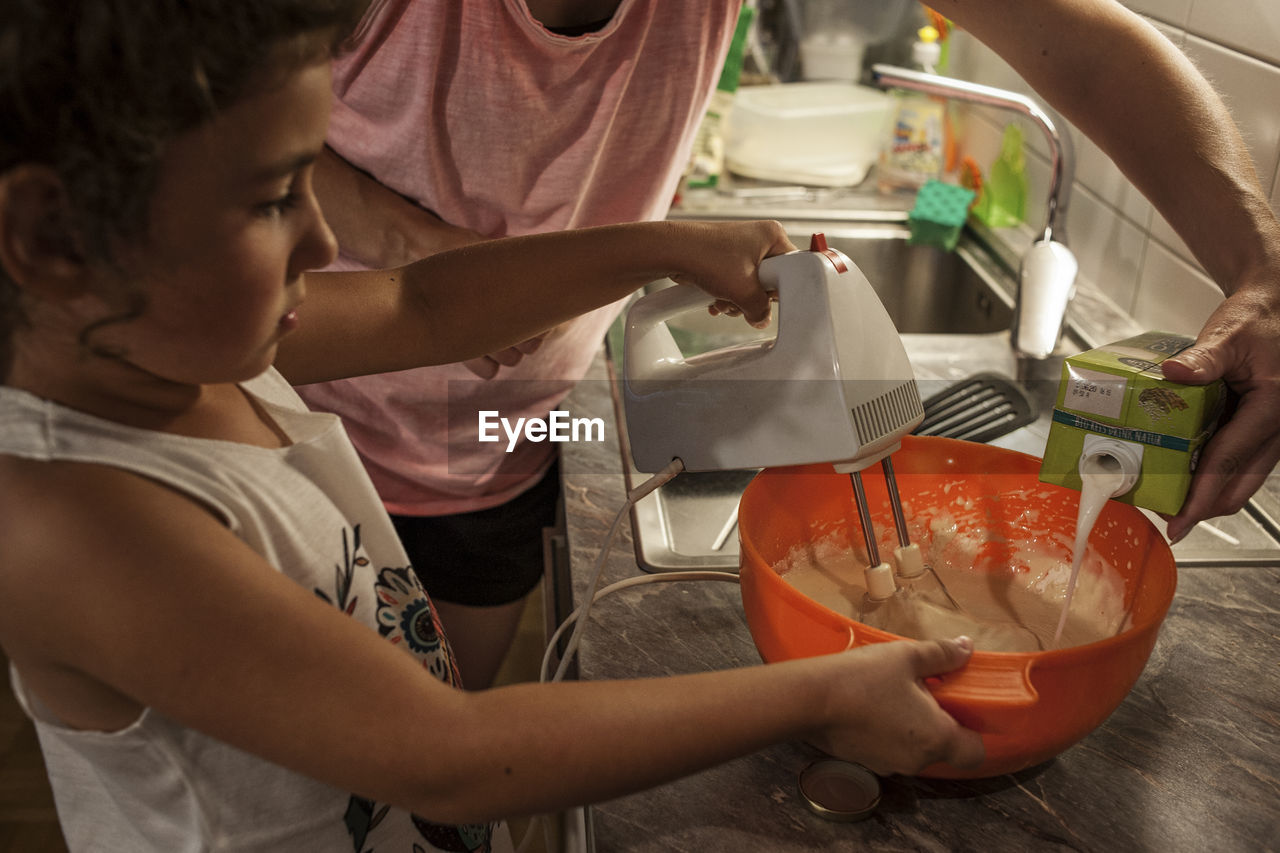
x: 38, y: 247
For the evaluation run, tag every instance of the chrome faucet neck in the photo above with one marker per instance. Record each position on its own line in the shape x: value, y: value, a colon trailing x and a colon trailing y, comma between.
x: 1048, y: 272
x: 1061, y: 153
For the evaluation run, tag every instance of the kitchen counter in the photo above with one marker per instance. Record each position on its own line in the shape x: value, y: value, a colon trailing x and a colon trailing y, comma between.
x: 1189, y: 761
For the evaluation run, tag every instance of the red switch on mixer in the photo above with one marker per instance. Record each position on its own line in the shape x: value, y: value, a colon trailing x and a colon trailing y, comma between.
x: 818, y: 243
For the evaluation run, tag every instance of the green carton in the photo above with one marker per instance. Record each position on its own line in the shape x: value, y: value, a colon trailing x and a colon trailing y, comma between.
x: 1117, y: 391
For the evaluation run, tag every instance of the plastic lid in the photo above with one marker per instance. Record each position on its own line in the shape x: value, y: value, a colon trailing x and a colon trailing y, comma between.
x: 840, y: 790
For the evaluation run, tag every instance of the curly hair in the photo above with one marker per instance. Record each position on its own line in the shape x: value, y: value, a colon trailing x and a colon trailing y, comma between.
x: 95, y: 89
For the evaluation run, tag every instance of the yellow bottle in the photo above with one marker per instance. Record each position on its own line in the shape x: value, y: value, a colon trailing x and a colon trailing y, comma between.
x: 915, y: 146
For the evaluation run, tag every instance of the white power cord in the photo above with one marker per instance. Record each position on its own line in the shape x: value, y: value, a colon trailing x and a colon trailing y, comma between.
x: 666, y: 475
x: 578, y: 618
x: 577, y: 615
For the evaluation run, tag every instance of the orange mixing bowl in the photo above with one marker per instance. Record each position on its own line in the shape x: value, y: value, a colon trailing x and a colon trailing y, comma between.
x: 1028, y: 706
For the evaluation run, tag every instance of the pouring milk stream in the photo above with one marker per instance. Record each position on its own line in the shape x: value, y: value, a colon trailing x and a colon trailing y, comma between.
x: 1108, y: 468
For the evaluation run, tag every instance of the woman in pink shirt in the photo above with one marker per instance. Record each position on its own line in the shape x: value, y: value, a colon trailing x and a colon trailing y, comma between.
x: 456, y: 122
x: 483, y: 118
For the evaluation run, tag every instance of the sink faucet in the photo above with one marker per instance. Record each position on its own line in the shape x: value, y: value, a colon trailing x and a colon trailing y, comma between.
x: 1046, y: 281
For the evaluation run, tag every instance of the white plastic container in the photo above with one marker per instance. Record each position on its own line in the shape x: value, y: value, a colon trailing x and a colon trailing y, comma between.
x: 814, y: 133
x: 836, y: 33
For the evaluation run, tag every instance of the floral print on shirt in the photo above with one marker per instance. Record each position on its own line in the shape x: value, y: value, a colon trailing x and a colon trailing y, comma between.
x: 404, y: 615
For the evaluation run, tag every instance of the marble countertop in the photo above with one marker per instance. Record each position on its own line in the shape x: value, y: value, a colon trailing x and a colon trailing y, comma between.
x: 1189, y: 761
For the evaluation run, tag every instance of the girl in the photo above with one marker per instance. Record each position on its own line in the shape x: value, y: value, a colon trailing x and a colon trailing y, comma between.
x: 206, y: 609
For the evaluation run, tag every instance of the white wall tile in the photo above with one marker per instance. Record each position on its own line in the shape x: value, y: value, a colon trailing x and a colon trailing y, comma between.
x: 981, y: 140
x: 1162, y: 232
x: 1237, y: 44
x: 1177, y: 35
x: 1093, y: 168
x: 1096, y: 172
x: 1251, y: 90
x: 974, y: 61
x: 1252, y: 26
x: 983, y: 127
x: 1172, y: 295
x: 1108, y: 246
x: 1173, y: 12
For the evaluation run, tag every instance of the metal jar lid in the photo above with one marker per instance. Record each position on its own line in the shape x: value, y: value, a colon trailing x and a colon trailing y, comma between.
x: 840, y: 790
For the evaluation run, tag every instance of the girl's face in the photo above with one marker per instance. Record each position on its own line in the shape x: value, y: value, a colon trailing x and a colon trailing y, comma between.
x: 233, y: 225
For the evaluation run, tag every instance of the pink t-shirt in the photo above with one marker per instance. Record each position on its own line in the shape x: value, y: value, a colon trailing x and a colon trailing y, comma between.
x: 474, y: 110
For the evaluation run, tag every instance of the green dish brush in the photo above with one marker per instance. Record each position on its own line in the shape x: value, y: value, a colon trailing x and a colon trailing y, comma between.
x: 1004, y: 194
x: 939, y: 214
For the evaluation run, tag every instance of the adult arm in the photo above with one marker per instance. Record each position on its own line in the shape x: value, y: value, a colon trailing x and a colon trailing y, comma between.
x: 1141, y: 100
x: 484, y: 297
x: 373, y: 223
x: 380, y: 228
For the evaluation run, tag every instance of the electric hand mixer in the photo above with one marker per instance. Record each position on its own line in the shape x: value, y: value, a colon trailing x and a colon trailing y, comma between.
x: 834, y: 386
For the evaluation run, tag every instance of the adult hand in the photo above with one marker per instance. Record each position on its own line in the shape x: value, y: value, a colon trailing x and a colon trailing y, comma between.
x: 883, y: 717
x: 381, y: 228
x: 376, y: 225
x: 1240, y: 343
x: 427, y: 234
x: 487, y: 366
x: 436, y: 235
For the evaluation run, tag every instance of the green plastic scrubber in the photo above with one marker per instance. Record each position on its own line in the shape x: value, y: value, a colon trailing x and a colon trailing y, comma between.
x: 939, y: 214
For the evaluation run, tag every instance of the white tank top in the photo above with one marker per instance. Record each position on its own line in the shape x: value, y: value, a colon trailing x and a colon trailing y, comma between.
x: 308, y: 509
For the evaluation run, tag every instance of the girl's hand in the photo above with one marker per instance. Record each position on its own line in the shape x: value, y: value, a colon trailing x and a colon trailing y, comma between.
x: 882, y: 716
x: 726, y: 261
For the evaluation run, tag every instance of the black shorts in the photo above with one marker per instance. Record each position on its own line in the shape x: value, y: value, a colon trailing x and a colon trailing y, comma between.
x: 487, y: 557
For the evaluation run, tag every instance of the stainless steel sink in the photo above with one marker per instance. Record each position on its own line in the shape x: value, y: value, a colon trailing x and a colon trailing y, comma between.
x: 953, y: 311
x: 926, y: 290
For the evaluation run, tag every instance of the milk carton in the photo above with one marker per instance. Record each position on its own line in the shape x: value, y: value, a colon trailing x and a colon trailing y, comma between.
x: 1116, y: 393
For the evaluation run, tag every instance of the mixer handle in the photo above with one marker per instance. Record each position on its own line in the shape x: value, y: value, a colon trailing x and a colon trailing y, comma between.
x: 649, y: 341
x: 661, y: 305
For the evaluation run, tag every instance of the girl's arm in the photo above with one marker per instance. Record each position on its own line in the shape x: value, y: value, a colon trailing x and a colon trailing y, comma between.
x: 154, y: 603
x: 1130, y: 90
x: 478, y: 299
